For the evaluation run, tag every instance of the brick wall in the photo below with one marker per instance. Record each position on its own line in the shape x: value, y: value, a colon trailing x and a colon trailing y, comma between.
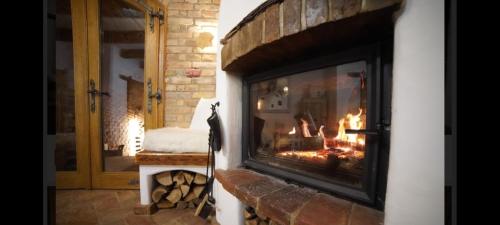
x: 191, y: 39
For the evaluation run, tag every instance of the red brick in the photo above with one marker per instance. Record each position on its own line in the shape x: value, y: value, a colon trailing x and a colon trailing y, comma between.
x: 324, y: 210
x: 335, y: 9
x: 207, y: 7
x: 316, y: 12
x: 250, y: 193
x: 181, y: 6
x: 281, y: 205
x: 209, y: 14
x: 351, y: 7
x: 272, y: 23
x: 232, y: 178
x: 362, y: 215
x: 291, y: 17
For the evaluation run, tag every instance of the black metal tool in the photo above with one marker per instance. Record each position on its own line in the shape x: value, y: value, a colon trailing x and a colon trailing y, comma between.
x: 207, y: 206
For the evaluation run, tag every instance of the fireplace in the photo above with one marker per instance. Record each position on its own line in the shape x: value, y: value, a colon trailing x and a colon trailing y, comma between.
x: 279, y: 36
x: 323, y: 122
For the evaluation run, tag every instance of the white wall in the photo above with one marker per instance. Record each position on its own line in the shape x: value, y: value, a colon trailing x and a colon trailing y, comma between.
x: 415, y: 188
x: 416, y: 172
x: 228, y: 91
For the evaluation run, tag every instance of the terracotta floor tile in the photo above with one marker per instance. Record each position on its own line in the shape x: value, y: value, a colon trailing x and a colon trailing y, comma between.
x: 121, y: 222
x: 127, y: 195
x: 168, y: 216
x: 114, y: 215
x: 110, y: 207
x: 139, y: 220
x: 106, y: 203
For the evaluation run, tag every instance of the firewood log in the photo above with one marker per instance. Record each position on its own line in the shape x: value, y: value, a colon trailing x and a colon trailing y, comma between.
x: 197, y: 190
x: 179, y: 179
x: 200, y: 179
x: 165, y: 204
x: 191, y: 205
x: 188, y: 177
x: 263, y: 222
x: 175, y: 195
x: 158, y: 193
x: 248, y: 215
x: 184, y: 189
x: 253, y: 221
x: 164, y: 178
x: 190, y: 196
x: 182, y: 204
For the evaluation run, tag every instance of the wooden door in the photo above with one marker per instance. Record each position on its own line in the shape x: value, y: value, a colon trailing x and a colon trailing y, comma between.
x: 116, y: 68
x: 123, y: 50
x: 71, y: 101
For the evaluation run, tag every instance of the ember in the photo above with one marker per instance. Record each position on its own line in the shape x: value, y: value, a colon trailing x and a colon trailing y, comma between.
x: 343, y: 146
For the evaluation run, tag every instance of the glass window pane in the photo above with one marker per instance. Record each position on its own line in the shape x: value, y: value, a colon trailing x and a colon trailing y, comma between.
x: 122, y: 76
x: 63, y: 90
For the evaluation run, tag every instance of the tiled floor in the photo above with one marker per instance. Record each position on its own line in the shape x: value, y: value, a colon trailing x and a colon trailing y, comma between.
x: 113, y: 207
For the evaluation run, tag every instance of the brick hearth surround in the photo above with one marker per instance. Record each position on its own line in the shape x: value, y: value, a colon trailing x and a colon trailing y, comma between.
x: 289, y: 204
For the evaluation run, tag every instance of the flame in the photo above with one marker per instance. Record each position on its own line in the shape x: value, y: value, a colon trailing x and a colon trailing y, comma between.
x: 353, y: 122
x: 321, y: 133
x: 305, y: 128
x: 343, y: 146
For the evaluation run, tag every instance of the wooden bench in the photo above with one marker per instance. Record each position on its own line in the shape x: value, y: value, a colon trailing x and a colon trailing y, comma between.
x: 146, y: 157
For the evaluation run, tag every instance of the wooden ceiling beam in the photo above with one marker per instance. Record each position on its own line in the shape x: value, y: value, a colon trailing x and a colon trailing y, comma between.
x: 130, y: 37
x: 132, y: 53
x: 110, y: 8
x: 124, y: 37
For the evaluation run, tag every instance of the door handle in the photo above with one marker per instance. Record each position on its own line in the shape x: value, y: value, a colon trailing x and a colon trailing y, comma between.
x: 152, y: 95
x: 93, y: 92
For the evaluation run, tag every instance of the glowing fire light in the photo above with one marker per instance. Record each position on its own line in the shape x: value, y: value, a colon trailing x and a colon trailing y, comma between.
x: 343, y: 145
x: 303, y: 154
x: 305, y: 128
x: 134, y: 130
x: 353, y: 122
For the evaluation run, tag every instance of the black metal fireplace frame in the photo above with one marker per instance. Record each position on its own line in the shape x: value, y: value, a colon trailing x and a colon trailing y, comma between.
x: 378, y: 117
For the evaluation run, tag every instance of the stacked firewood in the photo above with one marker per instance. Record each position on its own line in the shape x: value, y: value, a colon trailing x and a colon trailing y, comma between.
x: 251, y: 218
x: 181, y: 189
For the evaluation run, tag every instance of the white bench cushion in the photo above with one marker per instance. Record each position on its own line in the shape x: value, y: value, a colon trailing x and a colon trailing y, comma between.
x: 176, y: 140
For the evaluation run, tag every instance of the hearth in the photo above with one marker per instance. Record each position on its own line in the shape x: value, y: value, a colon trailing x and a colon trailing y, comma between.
x: 323, y: 122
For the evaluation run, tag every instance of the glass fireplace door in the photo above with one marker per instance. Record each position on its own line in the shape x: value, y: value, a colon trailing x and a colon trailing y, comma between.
x: 301, y: 120
x: 314, y: 123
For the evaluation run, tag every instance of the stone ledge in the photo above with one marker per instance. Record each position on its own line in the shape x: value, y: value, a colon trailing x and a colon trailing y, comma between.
x: 290, y: 204
x: 276, y: 20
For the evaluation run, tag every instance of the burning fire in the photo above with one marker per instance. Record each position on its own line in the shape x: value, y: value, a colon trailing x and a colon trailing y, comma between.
x: 304, y: 154
x: 353, y: 122
x: 305, y: 128
x: 343, y: 145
